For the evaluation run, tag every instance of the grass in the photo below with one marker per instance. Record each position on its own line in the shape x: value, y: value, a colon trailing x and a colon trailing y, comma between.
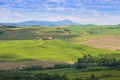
x: 23, y: 43
x: 97, y: 30
x: 81, y: 33
x: 87, y: 32
x: 107, y: 37
x: 73, y: 73
x: 34, y: 33
x: 56, y: 50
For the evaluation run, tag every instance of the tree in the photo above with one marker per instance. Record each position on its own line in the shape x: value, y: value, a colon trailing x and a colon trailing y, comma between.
x: 1, y: 32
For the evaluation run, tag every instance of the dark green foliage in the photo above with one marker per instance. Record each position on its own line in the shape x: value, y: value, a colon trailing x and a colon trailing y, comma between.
x: 50, y: 77
x: 111, y: 56
x: 14, y: 75
x: 88, y: 60
x: 37, y: 67
x: 1, y: 32
x: 10, y: 26
x: 67, y: 30
x: 31, y: 68
x: 58, y: 66
x: 80, y: 66
x: 78, y: 79
x: 107, y: 75
x: 114, y: 27
x: 92, y: 77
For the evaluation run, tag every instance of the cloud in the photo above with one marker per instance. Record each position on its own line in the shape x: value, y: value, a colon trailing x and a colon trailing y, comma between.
x: 114, y: 2
x: 56, y: 1
x: 95, y: 13
x: 82, y: 11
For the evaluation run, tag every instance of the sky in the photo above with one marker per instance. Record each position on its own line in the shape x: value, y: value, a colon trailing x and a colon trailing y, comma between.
x: 80, y: 11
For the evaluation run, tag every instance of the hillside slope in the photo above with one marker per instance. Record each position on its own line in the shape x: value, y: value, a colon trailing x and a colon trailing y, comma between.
x: 55, y: 50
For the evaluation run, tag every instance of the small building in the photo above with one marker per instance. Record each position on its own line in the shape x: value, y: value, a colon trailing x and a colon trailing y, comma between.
x: 47, y: 38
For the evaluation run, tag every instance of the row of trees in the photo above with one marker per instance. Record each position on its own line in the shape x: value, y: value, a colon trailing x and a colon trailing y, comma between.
x: 9, y: 26
x: 10, y: 75
x: 63, y: 29
x: 37, y: 67
x: 103, y: 60
x: 18, y: 75
x: 88, y: 60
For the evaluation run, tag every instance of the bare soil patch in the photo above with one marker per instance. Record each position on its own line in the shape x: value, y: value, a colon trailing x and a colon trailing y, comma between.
x: 15, y: 65
x: 107, y: 42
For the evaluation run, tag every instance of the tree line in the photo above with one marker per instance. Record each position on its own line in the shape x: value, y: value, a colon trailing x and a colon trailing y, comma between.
x: 18, y: 75
x: 15, y: 75
x: 88, y: 60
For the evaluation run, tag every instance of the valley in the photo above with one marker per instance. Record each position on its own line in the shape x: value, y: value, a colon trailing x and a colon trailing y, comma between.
x: 25, y: 46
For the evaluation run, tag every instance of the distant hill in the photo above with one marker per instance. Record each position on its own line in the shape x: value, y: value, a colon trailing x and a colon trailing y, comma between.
x: 42, y: 23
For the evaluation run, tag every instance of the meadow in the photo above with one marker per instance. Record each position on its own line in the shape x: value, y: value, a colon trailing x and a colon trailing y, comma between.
x: 72, y: 73
x: 56, y: 50
x: 24, y: 45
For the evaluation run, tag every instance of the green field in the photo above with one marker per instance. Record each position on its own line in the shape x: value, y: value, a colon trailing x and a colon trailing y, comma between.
x: 24, y: 43
x: 73, y: 73
x: 35, y: 33
x: 97, y: 30
x: 57, y: 50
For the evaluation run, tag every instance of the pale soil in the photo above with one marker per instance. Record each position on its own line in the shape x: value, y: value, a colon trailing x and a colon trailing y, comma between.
x: 14, y: 65
x: 107, y: 42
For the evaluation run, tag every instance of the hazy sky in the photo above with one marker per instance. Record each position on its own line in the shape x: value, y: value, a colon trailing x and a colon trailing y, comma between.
x: 81, y: 11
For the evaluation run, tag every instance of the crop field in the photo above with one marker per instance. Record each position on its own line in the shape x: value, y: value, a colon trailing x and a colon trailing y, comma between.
x: 56, y: 50
x: 96, y: 30
x: 107, y: 37
x: 59, y: 39
x: 108, y: 42
x: 24, y: 43
x: 34, y: 33
x: 24, y: 46
x: 73, y: 73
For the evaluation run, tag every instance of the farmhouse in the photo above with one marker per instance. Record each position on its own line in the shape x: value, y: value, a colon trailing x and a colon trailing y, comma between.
x: 47, y: 38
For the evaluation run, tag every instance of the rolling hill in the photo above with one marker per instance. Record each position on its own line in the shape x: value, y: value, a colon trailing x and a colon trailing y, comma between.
x: 53, y: 50
x: 25, y: 44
